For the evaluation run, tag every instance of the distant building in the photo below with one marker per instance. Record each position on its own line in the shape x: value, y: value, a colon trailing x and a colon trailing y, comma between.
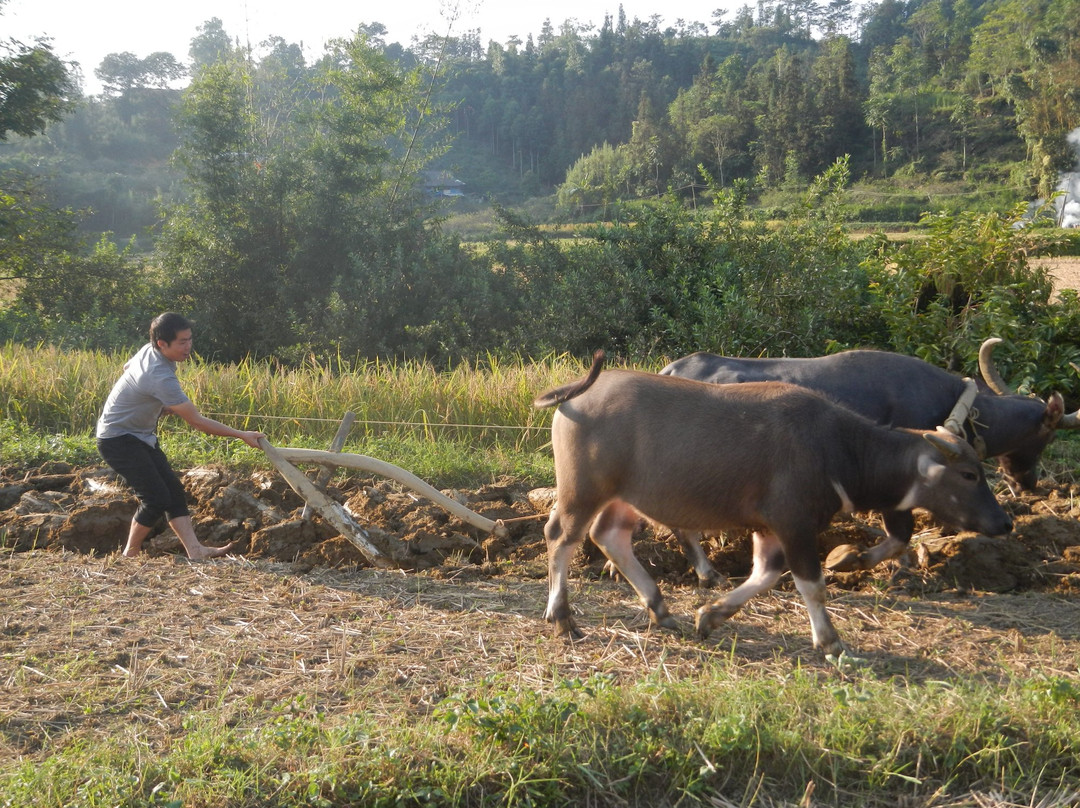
x: 441, y: 183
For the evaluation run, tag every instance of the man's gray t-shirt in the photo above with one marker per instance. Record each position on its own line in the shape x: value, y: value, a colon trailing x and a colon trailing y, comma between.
x: 147, y: 386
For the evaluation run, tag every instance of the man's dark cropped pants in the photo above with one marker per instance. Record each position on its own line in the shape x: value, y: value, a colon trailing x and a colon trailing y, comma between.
x: 146, y: 469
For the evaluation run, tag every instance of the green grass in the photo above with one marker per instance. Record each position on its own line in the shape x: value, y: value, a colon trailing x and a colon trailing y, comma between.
x: 760, y: 735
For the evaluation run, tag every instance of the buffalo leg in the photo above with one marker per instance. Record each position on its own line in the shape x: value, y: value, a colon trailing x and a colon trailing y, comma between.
x: 612, y: 531
x: 821, y: 628
x: 564, y: 532
x: 805, y: 564
x: 707, y: 574
x: 769, y: 563
x: 899, y: 525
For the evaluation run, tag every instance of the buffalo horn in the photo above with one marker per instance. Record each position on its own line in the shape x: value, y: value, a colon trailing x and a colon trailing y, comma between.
x: 993, y: 379
x: 942, y: 444
x: 955, y: 422
x: 989, y: 371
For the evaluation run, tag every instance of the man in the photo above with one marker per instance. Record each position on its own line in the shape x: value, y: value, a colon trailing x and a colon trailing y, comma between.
x: 127, y: 439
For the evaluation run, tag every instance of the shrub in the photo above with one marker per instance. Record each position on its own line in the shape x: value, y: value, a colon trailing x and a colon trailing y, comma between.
x: 970, y: 279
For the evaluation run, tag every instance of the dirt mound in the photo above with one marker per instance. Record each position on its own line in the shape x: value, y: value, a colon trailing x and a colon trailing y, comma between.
x: 88, y: 511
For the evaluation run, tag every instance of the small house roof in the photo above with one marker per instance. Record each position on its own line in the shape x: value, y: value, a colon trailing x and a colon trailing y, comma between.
x: 439, y: 179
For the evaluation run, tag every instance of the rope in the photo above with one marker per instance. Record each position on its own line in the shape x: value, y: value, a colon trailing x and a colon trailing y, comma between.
x: 532, y: 518
x: 425, y: 424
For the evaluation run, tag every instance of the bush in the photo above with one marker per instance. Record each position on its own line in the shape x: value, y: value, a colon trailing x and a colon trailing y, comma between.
x: 970, y: 279
x: 729, y: 281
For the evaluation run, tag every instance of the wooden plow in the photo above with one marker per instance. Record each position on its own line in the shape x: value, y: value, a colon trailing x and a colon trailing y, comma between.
x: 378, y: 546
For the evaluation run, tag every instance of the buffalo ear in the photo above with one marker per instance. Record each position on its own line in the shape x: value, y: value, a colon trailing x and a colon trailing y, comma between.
x: 945, y: 442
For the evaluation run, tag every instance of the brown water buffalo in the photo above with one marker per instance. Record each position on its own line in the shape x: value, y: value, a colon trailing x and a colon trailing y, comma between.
x: 775, y: 458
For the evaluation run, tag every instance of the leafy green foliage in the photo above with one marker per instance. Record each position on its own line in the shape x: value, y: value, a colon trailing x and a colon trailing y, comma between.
x: 122, y: 73
x: 63, y: 291
x: 32, y: 232
x: 969, y: 279
x: 35, y: 88
x: 726, y: 281
x: 94, y: 299
x: 304, y: 232
x: 1026, y: 53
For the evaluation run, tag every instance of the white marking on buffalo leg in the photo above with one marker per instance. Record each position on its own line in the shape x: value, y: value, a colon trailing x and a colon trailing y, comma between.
x: 564, y: 535
x: 846, y: 505
x: 821, y: 627
x: 707, y: 574
x: 889, y: 547
x: 909, y: 500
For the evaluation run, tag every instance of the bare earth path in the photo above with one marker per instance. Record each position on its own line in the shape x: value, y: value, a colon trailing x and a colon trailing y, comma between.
x: 1065, y: 271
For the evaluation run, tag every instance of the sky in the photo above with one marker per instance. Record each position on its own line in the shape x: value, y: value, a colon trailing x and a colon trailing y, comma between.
x: 87, y: 30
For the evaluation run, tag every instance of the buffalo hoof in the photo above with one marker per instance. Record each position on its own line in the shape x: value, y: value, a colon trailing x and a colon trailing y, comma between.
x: 711, y: 616
x: 612, y: 570
x: 566, y: 627
x: 846, y: 558
x: 832, y: 648
x: 711, y: 581
x: 668, y: 622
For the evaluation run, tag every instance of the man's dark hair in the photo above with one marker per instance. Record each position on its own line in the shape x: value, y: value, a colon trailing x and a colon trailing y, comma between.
x: 165, y: 326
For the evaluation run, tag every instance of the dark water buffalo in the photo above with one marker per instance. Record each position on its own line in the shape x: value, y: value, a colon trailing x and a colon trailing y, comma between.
x: 900, y: 391
x: 772, y: 457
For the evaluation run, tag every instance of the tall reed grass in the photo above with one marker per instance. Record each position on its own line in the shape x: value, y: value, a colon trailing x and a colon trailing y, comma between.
x: 489, y: 402
x: 484, y: 408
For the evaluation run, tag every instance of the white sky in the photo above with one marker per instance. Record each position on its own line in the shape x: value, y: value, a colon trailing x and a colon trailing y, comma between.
x: 87, y: 30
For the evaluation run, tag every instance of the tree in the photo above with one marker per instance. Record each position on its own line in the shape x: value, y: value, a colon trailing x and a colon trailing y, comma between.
x: 880, y: 104
x: 596, y: 180
x: 963, y: 116
x: 39, y: 246
x: 120, y: 73
x: 1027, y: 53
x: 66, y: 291
x: 36, y: 87
x: 32, y: 232
x: 789, y: 118
x: 212, y: 45
x: 303, y: 194
x: 714, y: 118
x: 837, y: 97
x: 836, y: 18
x: 905, y: 65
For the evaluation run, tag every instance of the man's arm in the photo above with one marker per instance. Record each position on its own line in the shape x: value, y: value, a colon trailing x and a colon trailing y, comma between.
x: 190, y: 413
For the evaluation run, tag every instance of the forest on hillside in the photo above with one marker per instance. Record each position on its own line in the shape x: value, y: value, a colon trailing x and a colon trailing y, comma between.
x: 277, y: 198
x: 931, y: 90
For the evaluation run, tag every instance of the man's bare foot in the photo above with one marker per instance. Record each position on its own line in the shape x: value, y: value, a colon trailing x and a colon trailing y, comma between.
x: 132, y: 552
x: 203, y: 552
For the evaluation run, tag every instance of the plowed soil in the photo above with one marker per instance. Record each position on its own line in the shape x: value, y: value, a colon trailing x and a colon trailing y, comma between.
x: 87, y: 511
x: 1065, y: 271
